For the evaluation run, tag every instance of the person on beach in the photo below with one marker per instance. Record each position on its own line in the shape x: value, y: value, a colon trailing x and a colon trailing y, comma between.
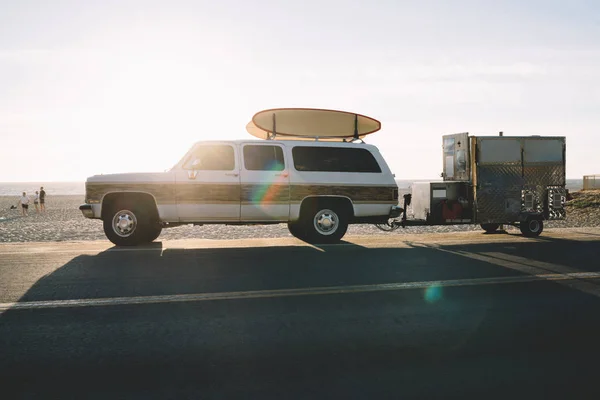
x: 42, y: 199
x: 24, y: 202
x: 36, y: 201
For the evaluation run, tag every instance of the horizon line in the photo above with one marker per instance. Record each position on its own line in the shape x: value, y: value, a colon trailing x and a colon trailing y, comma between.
x: 399, y: 179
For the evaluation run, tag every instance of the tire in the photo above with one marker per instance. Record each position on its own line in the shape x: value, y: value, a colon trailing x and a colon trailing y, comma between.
x: 154, y: 232
x: 297, y: 230
x: 324, y: 224
x: 532, y: 227
x: 129, y: 225
x: 490, y: 228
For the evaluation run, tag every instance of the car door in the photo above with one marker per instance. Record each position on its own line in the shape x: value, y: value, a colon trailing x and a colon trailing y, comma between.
x: 265, y: 182
x: 208, y: 184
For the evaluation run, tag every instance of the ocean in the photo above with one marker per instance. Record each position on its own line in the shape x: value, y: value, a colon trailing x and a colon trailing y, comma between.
x: 51, y: 188
x: 78, y: 188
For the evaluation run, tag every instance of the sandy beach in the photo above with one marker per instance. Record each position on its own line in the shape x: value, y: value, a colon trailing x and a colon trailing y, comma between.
x: 64, y: 222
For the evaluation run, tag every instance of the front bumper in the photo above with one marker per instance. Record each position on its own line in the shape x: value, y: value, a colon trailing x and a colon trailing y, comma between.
x: 87, y: 210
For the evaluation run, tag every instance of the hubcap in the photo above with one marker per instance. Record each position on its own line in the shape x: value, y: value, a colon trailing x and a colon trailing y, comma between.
x: 124, y: 223
x: 326, y: 222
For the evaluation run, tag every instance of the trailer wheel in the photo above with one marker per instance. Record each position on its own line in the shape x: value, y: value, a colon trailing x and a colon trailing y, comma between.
x: 531, y: 227
x: 490, y: 228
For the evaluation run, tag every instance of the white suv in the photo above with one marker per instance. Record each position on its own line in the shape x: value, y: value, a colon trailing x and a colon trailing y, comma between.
x: 316, y: 187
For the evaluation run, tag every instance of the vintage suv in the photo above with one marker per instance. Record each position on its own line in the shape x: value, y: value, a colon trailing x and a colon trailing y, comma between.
x: 312, y: 172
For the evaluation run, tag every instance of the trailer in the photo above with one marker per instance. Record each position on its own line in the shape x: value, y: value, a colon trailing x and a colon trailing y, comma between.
x: 492, y: 181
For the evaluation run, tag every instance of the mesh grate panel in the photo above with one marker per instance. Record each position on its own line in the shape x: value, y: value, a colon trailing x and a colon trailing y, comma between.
x: 503, y: 190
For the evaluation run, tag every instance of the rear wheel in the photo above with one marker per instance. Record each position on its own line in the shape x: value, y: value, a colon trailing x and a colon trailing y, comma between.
x: 532, y: 227
x: 490, y: 228
x: 325, y: 223
x: 297, y: 230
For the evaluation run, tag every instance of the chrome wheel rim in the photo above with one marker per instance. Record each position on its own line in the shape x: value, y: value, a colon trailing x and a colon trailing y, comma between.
x: 326, y: 222
x: 124, y: 223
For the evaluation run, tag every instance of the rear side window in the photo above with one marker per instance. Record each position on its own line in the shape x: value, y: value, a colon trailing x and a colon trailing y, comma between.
x: 334, y: 159
x: 263, y: 158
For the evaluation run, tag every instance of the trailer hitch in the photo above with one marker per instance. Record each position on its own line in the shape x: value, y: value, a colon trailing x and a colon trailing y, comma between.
x: 393, y: 223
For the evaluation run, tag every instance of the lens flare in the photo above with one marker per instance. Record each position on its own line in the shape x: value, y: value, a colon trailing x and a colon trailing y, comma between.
x: 433, y: 293
x: 270, y: 192
x: 266, y: 193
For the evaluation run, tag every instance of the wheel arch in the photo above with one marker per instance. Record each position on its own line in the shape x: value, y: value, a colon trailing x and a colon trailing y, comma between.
x: 343, y: 201
x: 134, y: 196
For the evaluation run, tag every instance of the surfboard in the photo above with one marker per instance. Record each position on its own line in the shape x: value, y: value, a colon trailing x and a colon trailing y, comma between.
x: 311, y: 123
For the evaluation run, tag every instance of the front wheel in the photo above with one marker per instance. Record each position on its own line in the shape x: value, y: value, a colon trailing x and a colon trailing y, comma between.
x: 325, y: 224
x: 531, y: 227
x: 154, y: 232
x: 129, y: 226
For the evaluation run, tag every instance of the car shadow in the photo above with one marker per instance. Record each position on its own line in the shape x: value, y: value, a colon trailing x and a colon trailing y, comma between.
x: 290, y: 339
x: 156, y: 269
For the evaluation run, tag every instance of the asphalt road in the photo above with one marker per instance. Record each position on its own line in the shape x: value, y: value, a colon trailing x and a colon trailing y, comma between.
x: 426, y: 316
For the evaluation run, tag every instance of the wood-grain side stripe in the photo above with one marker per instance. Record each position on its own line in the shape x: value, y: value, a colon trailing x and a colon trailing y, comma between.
x: 211, y: 193
x: 355, y: 193
x: 164, y: 193
x: 265, y: 193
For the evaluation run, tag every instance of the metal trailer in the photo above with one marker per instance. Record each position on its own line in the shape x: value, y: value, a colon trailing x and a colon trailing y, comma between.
x: 591, y: 182
x: 492, y: 181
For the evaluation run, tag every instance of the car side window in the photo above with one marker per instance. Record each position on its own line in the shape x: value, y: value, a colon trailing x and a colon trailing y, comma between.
x: 334, y: 159
x: 263, y: 158
x: 218, y: 157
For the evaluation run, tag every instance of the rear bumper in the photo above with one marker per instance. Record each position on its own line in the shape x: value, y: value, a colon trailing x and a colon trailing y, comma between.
x: 87, y: 210
x: 396, y: 211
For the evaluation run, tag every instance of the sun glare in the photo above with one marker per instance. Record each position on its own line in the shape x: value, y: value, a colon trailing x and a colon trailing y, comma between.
x: 162, y: 107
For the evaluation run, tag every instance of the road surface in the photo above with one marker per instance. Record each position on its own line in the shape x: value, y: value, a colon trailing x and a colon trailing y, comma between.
x: 413, y: 316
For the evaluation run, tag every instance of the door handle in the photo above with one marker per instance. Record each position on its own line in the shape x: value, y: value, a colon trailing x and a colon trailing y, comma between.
x: 192, y: 174
x: 284, y: 174
x: 232, y: 174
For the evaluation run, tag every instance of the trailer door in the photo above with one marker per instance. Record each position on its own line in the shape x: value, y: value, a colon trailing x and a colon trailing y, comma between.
x: 499, y: 179
x: 457, y: 163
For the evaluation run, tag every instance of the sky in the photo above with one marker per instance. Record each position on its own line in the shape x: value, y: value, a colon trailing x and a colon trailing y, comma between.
x: 90, y: 87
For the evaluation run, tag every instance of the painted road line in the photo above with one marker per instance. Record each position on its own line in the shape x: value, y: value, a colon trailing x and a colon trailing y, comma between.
x: 540, y: 266
x: 533, y: 268
x: 522, y: 264
x: 257, y: 294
